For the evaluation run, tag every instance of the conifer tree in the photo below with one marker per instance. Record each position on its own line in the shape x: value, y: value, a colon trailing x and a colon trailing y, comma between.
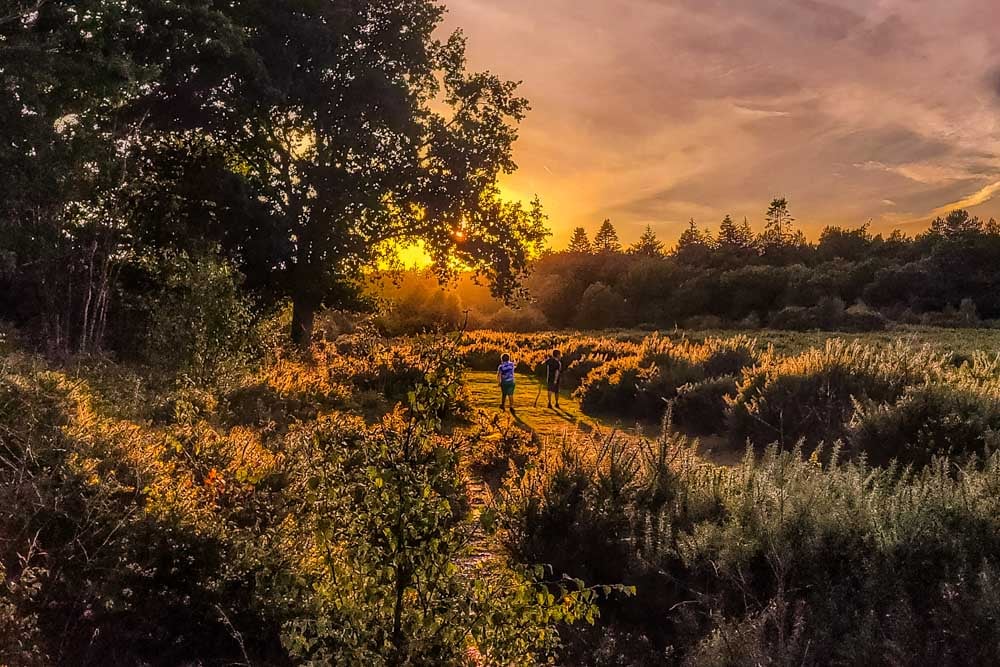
x: 606, y: 240
x: 735, y: 240
x: 694, y: 246
x: 778, y: 229
x: 579, y: 243
x: 648, y: 245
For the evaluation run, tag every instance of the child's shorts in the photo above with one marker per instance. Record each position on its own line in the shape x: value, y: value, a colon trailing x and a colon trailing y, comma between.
x: 507, y: 388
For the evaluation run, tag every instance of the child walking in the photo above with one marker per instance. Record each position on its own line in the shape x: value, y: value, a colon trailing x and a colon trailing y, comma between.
x: 505, y: 377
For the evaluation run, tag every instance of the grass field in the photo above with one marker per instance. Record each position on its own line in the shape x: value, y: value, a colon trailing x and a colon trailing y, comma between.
x: 544, y: 421
x: 550, y: 424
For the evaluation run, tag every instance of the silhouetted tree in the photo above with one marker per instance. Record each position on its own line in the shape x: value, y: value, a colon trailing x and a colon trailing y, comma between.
x: 648, y: 244
x: 735, y: 243
x: 579, y: 243
x: 956, y: 224
x: 778, y: 226
x: 606, y: 239
x: 600, y: 307
x: 849, y: 244
x: 694, y: 247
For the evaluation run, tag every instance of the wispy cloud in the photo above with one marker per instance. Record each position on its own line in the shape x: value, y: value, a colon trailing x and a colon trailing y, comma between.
x: 649, y: 111
x: 981, y: 196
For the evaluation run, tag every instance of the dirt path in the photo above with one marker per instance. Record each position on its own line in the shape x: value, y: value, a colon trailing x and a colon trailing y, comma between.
x: 550, y: 423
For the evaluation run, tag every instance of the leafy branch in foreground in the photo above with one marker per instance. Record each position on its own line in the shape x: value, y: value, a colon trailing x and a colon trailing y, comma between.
x: 395, y: 579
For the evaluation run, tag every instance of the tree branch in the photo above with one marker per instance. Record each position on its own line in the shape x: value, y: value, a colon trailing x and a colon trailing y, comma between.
x: 20, y: 15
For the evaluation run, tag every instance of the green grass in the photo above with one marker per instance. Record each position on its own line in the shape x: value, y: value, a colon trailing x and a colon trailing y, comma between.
x: 541, y: 420
x: 549, y: 424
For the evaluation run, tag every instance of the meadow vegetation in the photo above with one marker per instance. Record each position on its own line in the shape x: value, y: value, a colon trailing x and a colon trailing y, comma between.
x: 268, y: 519
x: 314, y: 508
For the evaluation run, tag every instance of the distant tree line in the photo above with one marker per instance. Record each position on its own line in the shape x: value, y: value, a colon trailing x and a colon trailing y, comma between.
x: 849, y: 279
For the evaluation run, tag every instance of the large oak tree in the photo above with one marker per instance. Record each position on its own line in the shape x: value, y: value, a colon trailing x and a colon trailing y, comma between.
x: 352, y: 129
x: 306, y: 139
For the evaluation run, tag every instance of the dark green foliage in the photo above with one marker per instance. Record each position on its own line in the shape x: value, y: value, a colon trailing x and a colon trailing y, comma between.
x: 701, y: 407
x: 812, y: 396
x: 778, y: 561
x: 956, y: 419
x: 778, y: 277
x: 298, y: 144
x: 601, y: 307
x: 189, y: 314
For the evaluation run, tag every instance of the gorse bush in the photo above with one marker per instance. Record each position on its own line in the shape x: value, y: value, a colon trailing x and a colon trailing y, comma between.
x: 811, y: 396
x: 780, y: 560
x: 957, y: 419
x: 642, y: 386
x: 482, y: 349
x: 702, y: 406
x: 613, y: 387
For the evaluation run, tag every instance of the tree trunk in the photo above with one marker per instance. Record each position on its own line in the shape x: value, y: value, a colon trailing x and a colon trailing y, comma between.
x: 303, y: 317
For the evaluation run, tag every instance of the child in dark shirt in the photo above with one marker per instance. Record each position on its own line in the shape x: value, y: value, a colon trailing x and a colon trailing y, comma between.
x: 553, y: 375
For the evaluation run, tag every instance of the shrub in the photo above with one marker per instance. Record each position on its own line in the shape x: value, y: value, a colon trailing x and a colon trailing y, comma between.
x: 860, y: 317
x: 795, y: 318
x: 612, y: 387
x: 642, y: 386
x: 115, y: 546
x: 811, y: 396
x: 779, y: 560
x: 955, y: 419
x: 701, y: 406
x: 577, y: 370
x: 192, y: 318
x: 520, y: 320
x: 601, y: 307
x: 728, y: 356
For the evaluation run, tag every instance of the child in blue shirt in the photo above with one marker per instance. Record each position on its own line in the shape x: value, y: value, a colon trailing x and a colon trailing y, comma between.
x: 505, y: 377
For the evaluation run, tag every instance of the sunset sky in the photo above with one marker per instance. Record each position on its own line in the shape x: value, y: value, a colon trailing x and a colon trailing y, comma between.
x: 657, y: 111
